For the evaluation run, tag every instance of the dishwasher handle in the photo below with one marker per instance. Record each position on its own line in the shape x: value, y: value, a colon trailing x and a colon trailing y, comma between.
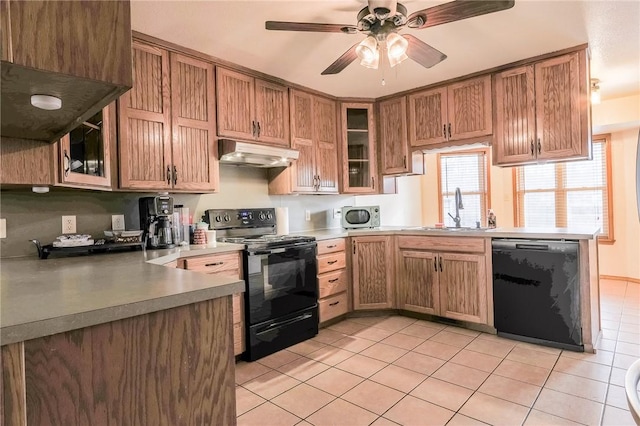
x: 541, y: 247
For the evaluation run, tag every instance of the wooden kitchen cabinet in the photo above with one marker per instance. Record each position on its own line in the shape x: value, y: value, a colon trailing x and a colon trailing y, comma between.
x: 359, y: 153
x: 252, y: 109
x: 167, y: 124
x: 224, y: 264
x: 418, y: 284
x: 372, y: 272
x: 542, y: 111
x: 445, y: 276
x: 333, y: 279
x: 457, y: 112
x: 77, y: 50
x: 314, y: 135
x: 397, y: 158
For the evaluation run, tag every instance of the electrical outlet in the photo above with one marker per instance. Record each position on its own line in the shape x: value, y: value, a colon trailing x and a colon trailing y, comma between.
x: 117, y: 222
x: 3, y: 228
x: 307, y: 215
x: 68, y: 224
x: 337, y: 213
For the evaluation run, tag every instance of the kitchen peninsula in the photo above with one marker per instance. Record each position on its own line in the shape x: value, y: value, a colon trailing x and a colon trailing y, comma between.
x: 117, y: 338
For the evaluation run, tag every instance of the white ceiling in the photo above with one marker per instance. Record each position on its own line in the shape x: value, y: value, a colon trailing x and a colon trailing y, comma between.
x: 234, y: 31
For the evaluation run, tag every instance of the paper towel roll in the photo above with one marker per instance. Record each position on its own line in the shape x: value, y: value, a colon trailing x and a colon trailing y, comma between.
x: 282, y: 220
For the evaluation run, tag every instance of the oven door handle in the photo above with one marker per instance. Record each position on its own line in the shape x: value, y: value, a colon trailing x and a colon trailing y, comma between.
x: 262, y: 252
x: 282, y: 323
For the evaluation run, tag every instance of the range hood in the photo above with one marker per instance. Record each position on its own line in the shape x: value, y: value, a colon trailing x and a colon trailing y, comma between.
x: 255, y: 155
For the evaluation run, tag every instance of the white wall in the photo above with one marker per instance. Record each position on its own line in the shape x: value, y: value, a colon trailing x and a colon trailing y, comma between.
x: 401, y: 209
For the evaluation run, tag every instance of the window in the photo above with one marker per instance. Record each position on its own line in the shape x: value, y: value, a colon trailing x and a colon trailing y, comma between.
x: 468, y: 171
x: 572, y: 194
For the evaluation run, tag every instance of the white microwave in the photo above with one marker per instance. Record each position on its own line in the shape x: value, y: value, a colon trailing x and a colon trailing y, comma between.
x: 361, y: 217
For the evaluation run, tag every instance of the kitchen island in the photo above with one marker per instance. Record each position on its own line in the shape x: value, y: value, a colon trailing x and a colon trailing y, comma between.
x: 116, y: 338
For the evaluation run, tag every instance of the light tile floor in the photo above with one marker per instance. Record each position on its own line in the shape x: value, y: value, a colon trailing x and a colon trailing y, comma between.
x: 398, y: 370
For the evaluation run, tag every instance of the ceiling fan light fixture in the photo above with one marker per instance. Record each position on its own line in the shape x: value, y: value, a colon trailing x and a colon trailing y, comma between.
x: 368, y: 53
x: 396, y: 48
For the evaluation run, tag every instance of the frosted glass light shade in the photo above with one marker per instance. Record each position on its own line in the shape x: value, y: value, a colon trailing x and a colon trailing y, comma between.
x: 396, y: 49
x: 47, y: 102
x: 368, y: 53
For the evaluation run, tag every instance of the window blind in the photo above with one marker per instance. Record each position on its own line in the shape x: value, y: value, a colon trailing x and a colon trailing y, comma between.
x: 575, y: 194
x: 467, y: 171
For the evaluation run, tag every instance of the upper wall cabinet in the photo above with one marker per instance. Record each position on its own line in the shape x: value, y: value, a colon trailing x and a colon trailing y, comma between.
x: 167, y: 124
x: 314, y: 135
x: 397, y: 158
x: 359, y: 155
x: 460, y: 111
x: 542, y: 111
x: 252, y: 109
x: 79, y: 51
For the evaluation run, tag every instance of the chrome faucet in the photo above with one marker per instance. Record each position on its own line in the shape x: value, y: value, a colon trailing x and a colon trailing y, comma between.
x: 459, y: 207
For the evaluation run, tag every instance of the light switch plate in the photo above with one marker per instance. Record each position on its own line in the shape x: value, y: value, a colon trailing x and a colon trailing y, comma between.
x: 68, y: 224
x: 337, y: 213
x: 3, y: 228
x: 117, y: 222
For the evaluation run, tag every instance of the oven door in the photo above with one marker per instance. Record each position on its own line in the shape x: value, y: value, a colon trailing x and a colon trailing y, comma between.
x: 280, y: 281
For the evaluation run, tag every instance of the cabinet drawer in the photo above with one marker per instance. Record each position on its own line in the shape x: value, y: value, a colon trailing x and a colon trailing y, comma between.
x: 331, y: 262
x: 238, y: 303
x: 214, y: 263
x: 332, y: 283
x: 330, y: 246
x: 238, y: 338
x: 333, y: 306
x: 450, y: 244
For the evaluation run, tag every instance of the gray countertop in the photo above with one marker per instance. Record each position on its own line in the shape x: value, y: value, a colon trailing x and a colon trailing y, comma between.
x: 44, y: 297
x: 525, y: 233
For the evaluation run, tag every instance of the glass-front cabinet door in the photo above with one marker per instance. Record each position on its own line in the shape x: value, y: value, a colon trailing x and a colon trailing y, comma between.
x: 359, y: 153
x: 85, y: 152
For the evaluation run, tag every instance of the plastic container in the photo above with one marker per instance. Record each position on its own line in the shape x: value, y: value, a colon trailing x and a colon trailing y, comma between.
x: 200, y: 233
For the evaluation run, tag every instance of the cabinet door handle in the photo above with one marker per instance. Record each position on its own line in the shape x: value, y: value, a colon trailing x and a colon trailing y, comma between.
x: 435, y: 264
x: 449, y: 130
x: 334, y: 280
x: 404, y: 161
x: 440, y: 261
x: 331, y: 262
x: 444, y: 131
x: 253, y: 128
x: 332, y: 246
x: 354, y: 248
x: 67, y: 160
x: 214, y: 264
x: 175, y: 175
x: 539, y: 146
x: 334, y: 303
x: 373, y: 182
x: 258, y: 127
x: 531, y: 146
x: 168, y: 175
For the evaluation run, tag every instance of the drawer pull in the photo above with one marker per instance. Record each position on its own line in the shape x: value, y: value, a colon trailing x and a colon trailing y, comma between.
x: 332, y: 246
x: 334, y: 303
x: 334, y: 280
x: 214, y: 264
x: 331, y: 262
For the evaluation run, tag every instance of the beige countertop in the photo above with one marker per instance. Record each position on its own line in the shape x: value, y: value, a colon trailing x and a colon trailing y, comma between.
x: 525, y: 233
x: 44, y: 297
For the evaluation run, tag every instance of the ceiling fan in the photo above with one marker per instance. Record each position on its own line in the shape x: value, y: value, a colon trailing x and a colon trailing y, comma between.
x: 382, y: 20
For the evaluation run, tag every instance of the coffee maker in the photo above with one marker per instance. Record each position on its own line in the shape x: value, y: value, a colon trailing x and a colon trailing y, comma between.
x: 155, y: 219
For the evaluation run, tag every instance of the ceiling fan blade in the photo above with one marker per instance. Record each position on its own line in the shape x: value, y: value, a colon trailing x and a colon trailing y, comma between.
x: 455, y: 11
x: 310, y: 26
x: 342, y: 62
x: 422, y: 53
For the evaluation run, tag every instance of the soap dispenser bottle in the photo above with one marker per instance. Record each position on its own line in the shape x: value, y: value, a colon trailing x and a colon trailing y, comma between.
x: 491, y: 219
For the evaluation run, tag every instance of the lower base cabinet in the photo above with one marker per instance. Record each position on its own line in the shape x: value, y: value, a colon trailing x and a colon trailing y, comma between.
x: 224, y: 264
x: 372, y: 272
x: 333, y: 279
x: 434, y: 280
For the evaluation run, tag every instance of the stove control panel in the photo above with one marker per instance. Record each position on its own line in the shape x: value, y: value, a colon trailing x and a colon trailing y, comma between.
x: 240, y: 218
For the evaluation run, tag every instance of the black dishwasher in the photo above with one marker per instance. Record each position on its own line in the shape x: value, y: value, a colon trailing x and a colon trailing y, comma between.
x: 536, y: 292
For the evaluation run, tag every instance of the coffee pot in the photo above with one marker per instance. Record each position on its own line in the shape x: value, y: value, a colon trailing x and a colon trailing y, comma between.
x: 156, y: 214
